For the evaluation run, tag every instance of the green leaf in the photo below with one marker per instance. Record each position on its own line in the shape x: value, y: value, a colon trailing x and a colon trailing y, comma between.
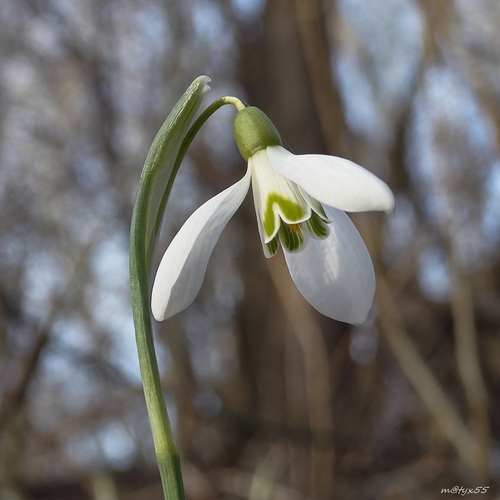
x: 162, y: 163
x: 158, y: 173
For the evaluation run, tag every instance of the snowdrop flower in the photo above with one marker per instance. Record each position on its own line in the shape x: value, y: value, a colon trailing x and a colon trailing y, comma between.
x: 300, y: 202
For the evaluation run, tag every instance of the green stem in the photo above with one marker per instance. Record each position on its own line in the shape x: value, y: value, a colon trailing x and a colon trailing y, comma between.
x: 166, y: 451
x: 167, y: 455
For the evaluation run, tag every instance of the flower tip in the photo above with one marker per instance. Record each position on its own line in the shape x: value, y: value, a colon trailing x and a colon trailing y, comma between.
x: 161, y: 295
x: 356, y: 316
x: 391, y: 208
x: 157, y: 311
x: 164, y: 312
x: 388, y: 203
x: 158, y: 318
x: 360, y: 320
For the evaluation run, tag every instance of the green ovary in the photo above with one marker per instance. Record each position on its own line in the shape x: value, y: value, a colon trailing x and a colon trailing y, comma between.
x: 292, y: 211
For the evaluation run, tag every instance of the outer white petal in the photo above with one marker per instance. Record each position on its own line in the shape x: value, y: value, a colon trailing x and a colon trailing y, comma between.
x: 333, y: 181
x: 183, y: 266
x: 335, y: 275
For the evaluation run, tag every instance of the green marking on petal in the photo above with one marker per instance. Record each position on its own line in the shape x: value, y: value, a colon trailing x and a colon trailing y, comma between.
x: 317, y: 226
x: 321, y: 212
x: 272, y: 246
x: 291, y: 237
x: 291, y: 210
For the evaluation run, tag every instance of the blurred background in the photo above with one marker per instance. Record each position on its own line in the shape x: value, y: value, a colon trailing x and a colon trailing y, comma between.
x: 269, y: 400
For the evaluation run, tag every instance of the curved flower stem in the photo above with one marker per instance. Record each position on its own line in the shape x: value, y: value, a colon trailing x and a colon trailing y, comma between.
x: 191, y: 133
x: 166, y: 451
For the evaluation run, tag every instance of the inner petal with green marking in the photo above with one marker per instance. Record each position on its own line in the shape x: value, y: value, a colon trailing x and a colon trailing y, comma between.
x: 284, y: 214
x: 294, y: 236
x: 278, y: 208
x: 276, y: 198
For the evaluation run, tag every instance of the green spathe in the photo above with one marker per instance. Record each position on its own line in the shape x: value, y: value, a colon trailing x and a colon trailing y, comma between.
x: 253, y: 131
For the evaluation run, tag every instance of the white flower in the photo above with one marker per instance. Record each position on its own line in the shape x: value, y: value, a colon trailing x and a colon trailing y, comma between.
x: 300, y: 202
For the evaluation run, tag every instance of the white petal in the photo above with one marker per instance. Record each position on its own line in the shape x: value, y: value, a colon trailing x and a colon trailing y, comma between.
x: 183, y: 266
x: 333, y: 181
x: 335, y: 275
